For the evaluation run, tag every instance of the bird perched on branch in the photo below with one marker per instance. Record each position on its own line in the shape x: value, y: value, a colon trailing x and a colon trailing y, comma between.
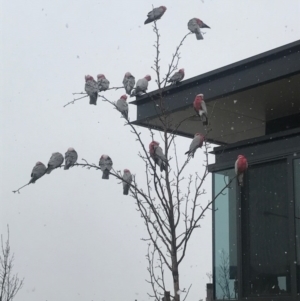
x: 56, y: 160
x: 176, y: 77
x: 156, y: 153
x: 128, y: 82
x: 127, y: 179
x: 240, y: 167
x: 103, y: 83
x: 194, y: 26
x: 105, y: 164
x: 70, y: 158
x: 141, y: 86
x: 200, y: 108
x: 155, y: 14
x: 37, y: 172
x: 197, y: 142
x: 91, y: 88
x: 122, y: 106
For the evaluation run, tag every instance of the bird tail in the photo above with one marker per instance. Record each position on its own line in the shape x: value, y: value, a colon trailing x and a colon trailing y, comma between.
x: 199, y: 35
x: 205, y: 26
x: 187, y: 153
x: 93, y: 99
x: 148, y: 21
x: 204, y: 119
x: 66, y: 166
x: 32, y: 181
x: 126, y: 189
x: 105, y: 174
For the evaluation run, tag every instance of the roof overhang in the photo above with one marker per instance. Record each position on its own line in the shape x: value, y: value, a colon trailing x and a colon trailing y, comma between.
x: 242, y: 98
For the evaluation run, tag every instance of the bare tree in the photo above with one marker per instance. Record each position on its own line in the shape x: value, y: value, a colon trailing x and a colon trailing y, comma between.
x: 224, y: 277
x: 10, y: 283
x: 173, y: 203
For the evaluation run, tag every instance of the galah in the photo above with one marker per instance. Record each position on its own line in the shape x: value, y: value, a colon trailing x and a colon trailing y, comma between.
x: 91, y: 88
x: 128, y: 82
x: 141, y: 86
x: 197, y: 142
x: 194, y: 26
x: 37, y: 172
x: 200, y: 108
x: 103, y: 83
x: 240, y: 167
x: 176, y: 77
x: 105, y: 164
x: 155, y: 14
x: 122, y: 106
x: 70, y: 158
x: 127, y: 179
x: 156, y: 153
x: 56, y: 160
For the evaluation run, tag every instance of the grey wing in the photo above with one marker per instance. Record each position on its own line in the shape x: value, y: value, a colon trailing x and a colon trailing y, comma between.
x: 102, y: 164
x: 235, y: 167
x: 127, y: 179
x: 131, y: 83
x: 157, y: 12
x: 105, y: 84
x: 70, y: 158
x: 108, y: 163
x: 38, y: 171
x: 194, y: 144
x: 176, y: 77
x: 203, y: 106
x: 56, y: 160
x: 151, y: 14
x: 159, y: 153
x: 91, y: 87
x: 193, y: 26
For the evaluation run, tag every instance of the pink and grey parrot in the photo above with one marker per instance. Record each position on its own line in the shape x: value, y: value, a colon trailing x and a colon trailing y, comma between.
x: 194, y: 26
x: 155, y: 14
x: 56, y: 160
x: 200, y: 108
x: 70, y: 158
x: 122, y: 106
x: 127, y: 179
x: 196, y: 143
x: 91, y: 88
x: 105, y: 164
x: 141, y: 86
x: 128, y: 82
x: 156, y: 153
x: 176, y: 77
x: 37, y: 172
x: 103, y: 83
x: 240, y: 167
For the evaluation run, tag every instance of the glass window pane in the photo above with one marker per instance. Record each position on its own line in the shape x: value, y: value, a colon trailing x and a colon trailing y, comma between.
x: 225, y: 235
x: 265, y: 231
x: 297, y: 217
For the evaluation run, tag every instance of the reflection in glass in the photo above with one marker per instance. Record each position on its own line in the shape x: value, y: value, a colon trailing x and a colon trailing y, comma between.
x: 265, y: 237
x: 225, y: 237
x: 297, y: 217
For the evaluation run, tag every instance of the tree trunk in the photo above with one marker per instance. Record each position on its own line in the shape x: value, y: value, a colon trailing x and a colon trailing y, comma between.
x: 175, y: 276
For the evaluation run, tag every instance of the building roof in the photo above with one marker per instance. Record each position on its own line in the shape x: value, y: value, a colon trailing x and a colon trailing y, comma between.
x: 243, y: 98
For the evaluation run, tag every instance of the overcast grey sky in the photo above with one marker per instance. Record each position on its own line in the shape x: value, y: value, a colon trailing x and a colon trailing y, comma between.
x: 76, y: 237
